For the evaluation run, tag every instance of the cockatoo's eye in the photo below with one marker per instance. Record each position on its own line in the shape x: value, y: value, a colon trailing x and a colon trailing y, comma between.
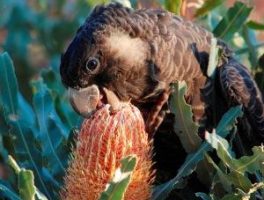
x: 92, y: 65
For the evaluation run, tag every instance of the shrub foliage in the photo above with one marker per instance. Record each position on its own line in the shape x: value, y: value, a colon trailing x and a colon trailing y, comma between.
x: 37, y: 124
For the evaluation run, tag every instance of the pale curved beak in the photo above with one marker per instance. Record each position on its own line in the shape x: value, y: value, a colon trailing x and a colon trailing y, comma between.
x: 86, y: 100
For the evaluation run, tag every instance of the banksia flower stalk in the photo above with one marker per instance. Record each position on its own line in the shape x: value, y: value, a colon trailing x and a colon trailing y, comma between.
x: 103, y: 141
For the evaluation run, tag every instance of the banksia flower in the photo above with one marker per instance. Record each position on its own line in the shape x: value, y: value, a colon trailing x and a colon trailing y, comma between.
x: 103, y: 141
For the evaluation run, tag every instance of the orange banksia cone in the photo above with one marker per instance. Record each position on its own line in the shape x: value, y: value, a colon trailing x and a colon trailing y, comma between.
x: 103, y: 141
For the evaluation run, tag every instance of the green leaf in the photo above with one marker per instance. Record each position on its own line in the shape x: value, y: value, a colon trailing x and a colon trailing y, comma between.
x: 223, y: 129
x: 251, y: 41
x: 228, y: 121
x: 26, y: 151
x: 173, y: 6
x: 52, y: 129
x: 26, y: 185
x: 220, y: 144
x: 11, y: 161
x: 8, y: 193
x: 234, y: 178
x: 118, y: 185
x: 232, y: 197
x: 239, y: 180
x: 254, y: 189
x: 249, y: 164
x: 21, y: 130
x: 221, y: 175
x: 203, y: 196
x: 8, y: 86
x: 238, y: 167
x: 222, y: 147
x: 61, y: 102
x: 232, y: 21
x: 252, y: 163
x: 240, y: 195
x: 53, y: 135
x: 40, y: 145
x: 246, y: 50
x: 255, y: 25
x: 208, y: 6
x: 184, y: 126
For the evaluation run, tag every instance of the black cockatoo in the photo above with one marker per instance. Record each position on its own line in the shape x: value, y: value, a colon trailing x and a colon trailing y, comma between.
x: 120, y: 54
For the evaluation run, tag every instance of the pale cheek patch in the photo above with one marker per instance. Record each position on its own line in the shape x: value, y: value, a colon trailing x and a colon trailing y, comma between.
x: 130, y: 50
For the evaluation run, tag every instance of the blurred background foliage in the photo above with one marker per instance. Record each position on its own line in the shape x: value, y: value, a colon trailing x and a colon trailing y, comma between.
x: 37, y: 124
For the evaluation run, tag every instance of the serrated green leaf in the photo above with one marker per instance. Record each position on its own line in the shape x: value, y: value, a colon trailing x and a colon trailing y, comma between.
x: 184, y: 126
x: 255, y: 25
x: 223, y: 129
x: 228, y: 121
x: 117, y: 187
x: 220, y: 144
x: 26, y: 185
x: 241, y: 195
x: 249, y: 164
x: 221, y: 175
x: 208, y: 6
x: 234, y: 178
x: 239, y: 180
x: 232, y: 21
x: 222, y: 147
x: 252, y: 163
